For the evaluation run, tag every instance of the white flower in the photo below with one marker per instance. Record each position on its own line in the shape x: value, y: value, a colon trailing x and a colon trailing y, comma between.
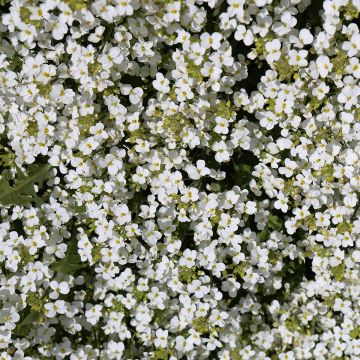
x: 58, y: 28
x: 107, y: 12
x: 124, y: 7
x: 88, y: 146
x: 236, y: 8
x: 322, y: 219
x: 93, y: 313
x: 51, y: 309
x: 250, y: 207
x: 113, y: 56
x: 189, y: 195
x: 273, y: 50
x: 27, y: 33
x: 281, y: 202
x: 58, y: 93
x: 172, y: 11
x: 161, y: 83
x: 352, y: 47
x: 211, y: 40
x: 141, y: 175
x: 323, y: 65
x: 244, y: 34
x: 58, y: 288
x: 161, y: 338
x: 298, y: 58
x: 148, y: 150
x: 188, y: 258
x: 221, y: 125
x: 222, y: 151
x: 196, y: 172
x: 305, y: 36
x: 354, y: 67
x: 184, y: 93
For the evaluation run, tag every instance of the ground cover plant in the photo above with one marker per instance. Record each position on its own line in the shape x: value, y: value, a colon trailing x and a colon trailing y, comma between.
x: 180, y: 179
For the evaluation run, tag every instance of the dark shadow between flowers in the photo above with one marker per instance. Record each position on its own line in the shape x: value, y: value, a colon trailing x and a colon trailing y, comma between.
x: 310, y: 18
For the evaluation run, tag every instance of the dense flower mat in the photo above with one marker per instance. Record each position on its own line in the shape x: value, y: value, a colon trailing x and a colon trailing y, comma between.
x: 179, y: 179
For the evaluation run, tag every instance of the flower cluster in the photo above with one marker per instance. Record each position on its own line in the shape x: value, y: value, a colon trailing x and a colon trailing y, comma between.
x: 180, y: 179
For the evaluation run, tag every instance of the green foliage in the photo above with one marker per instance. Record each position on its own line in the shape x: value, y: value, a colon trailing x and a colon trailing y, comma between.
x: 355, y: 333
x: 75, y: 5
x: 44, y: 90
x: 240, y: 270
x: 35, y: 302
x: 186, y: 275
x: 161, y: 354
x: 329, y: 301
x: 339, y: 272
x: 25, y: 256
x: 225, y: 110
x: 23, y: 191
x: 292, y: 324
x: 275, y: 222
x: 234, y: 354
x: 351, y: 11
x: 319, y: 250
x: 25, y: 14
x: 139, y: 295
x: 175, y: 124
x: 79, y: 208
x: 273, y: 256
x: 194, y: 71
x: 344, y: 227
x: 118, y: 306
x: 15, y: 63
x: 243, y: 173
x: 86, y: 122
x: 27, y: 319
x: 96, y: 252
x: 328, y: 172
x: 259, y: 46
x: 339, y: 61
x: 201, y: 325
x: 71, y: 262
x: 284, y: 70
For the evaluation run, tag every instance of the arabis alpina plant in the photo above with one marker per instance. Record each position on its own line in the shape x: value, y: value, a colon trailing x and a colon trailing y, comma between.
x: 180, y: 179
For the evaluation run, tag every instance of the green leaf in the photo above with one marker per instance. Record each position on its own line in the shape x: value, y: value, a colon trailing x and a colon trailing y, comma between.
x: 339, y: 272
x: 31, y: 317
x: 27, y: 318
x: 71, y: 262
x: 355, y: 333
x: 243, y: 173
x: 79, y: 209
x: 275, y: 222
x: 23, y: 191
x: 264, y: 234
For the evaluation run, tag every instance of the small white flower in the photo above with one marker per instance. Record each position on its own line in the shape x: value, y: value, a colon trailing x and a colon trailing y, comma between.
x: 323, y: 65
x: 161, y: 83
x: 273, y: 50
x: 161, y: 338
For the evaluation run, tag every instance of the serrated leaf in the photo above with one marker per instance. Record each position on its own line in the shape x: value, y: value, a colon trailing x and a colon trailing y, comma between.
x: 71, y: 262
x: 23, y: 191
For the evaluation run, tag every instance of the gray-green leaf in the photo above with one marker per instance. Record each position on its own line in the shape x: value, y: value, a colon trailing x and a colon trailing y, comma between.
x: 71, y: 262
x: 23, y: 191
